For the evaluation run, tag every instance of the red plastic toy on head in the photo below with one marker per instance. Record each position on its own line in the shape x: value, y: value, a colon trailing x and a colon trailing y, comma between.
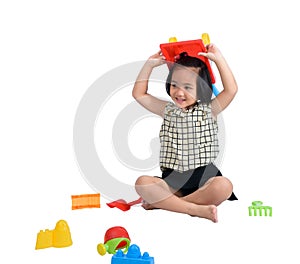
x: 192, y: 47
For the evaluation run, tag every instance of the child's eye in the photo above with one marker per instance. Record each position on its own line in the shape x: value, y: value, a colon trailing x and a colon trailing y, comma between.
x: 173, y: 85
x: 188, y: 87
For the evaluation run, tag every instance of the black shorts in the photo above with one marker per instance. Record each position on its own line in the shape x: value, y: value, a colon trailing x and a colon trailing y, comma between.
x: 189, y: 181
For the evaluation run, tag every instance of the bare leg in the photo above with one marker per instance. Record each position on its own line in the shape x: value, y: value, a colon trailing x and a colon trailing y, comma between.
x: 157, y: 193
x: 215, y: 191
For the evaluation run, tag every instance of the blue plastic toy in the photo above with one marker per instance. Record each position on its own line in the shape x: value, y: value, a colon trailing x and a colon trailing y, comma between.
x: 215, y: 90
x: 133, y: 256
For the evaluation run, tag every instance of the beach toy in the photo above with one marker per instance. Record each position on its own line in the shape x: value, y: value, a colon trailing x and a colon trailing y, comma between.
x: 205, y: 38
x: 59, y: 237
x: 123, y: 205
x: 115, y: 238
x: 174, y: 48
x: 133, y: 256
x: 85, y: 201
x: 258, y: 206
x: 172, y: 39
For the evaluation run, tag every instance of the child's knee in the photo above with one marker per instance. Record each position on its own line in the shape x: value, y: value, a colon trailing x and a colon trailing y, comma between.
x: 224, y: 185
x: 142, y: 180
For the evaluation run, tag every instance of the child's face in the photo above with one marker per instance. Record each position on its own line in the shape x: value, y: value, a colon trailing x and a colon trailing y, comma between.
x: 183, y: 89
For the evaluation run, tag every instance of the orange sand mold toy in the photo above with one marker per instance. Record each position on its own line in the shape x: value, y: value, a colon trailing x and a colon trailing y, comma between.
x: 85, y: 201
x: 59, y: 237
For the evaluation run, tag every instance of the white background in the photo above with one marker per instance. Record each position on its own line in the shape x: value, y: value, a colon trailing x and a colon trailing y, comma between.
x: 50, y: 54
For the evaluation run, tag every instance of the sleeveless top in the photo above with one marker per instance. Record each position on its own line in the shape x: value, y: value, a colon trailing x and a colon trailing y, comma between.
x: 188, y: 138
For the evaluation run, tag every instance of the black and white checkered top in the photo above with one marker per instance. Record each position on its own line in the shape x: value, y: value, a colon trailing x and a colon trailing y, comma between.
x: 188, y: 138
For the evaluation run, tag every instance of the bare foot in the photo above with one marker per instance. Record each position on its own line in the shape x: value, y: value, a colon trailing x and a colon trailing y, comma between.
x: 206, y: 211
x: 148, y: 206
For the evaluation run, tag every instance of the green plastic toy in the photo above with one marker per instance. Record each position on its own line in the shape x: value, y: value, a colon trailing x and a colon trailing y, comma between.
x: 113, y: 245
x: 257, y: 205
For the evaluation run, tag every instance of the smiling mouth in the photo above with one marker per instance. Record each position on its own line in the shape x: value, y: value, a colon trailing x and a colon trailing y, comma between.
x: 180, y: 100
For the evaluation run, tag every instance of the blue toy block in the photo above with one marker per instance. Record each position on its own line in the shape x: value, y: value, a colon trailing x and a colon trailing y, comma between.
x: 133, y: 256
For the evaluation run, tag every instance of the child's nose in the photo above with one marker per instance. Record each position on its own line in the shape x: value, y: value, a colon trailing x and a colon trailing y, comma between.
x: 180, y: 91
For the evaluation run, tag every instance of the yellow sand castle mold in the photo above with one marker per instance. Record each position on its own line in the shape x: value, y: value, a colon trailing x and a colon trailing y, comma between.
x: 59, y: 237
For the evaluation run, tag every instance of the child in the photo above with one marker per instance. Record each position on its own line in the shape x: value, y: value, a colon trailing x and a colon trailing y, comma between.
x: 190, y: 182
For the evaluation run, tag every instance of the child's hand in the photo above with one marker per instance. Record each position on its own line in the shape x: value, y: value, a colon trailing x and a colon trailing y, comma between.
x: 213, y: 53
x: 156, y: 59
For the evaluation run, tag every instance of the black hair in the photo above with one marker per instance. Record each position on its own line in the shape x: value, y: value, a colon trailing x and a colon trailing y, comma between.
x: 204, y: 89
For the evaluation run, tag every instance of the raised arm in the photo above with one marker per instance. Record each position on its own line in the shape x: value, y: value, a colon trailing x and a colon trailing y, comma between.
x: 225, y: 97
x: 140, y: 88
